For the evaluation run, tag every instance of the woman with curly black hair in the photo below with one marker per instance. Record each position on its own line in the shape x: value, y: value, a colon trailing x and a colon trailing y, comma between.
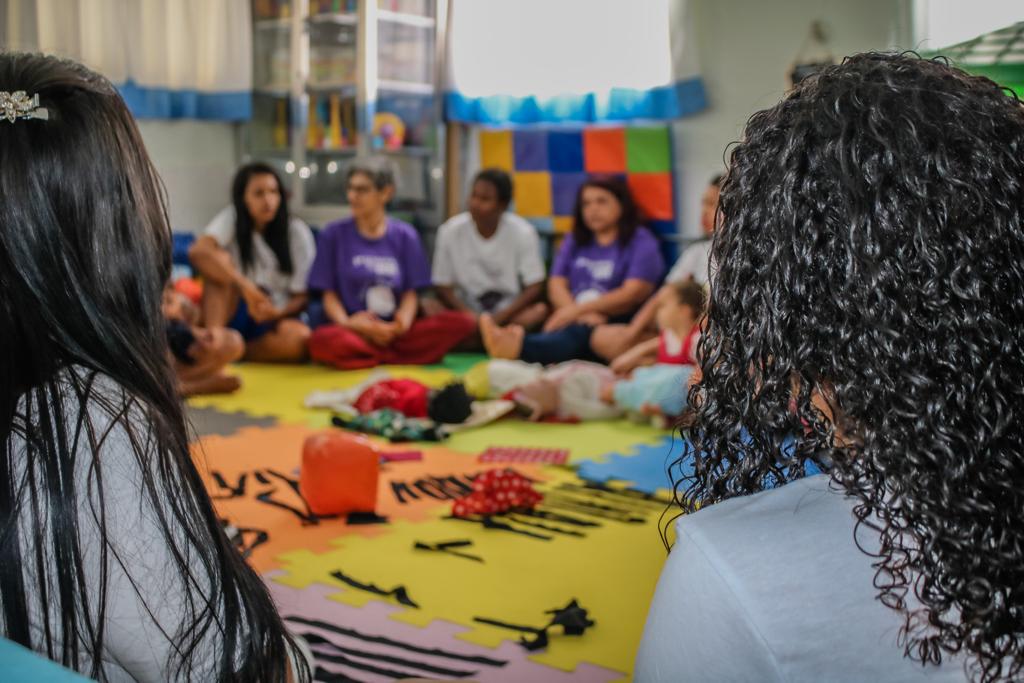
x: 869, y: 298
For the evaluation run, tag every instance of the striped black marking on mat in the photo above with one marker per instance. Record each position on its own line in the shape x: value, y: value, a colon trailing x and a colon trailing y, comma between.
x: 561, y: 519
x: 622, y: 496
x: 559, y: 505
x: 346, y: 653
x: 322, y: 674
x: 326, y: 676
x: 381, y: 640
x: 512, y: 517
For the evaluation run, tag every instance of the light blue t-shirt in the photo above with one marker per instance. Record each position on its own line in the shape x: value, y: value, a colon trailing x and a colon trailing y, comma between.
x: 771, y: 587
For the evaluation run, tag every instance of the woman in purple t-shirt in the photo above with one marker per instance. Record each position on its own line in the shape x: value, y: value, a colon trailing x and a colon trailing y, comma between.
x: 603, y: 272
x: 370, y: 269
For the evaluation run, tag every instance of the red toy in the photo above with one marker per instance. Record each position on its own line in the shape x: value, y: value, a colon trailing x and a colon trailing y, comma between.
x: 339, y: 473
x: 495, y: 492
x: 407, y: 396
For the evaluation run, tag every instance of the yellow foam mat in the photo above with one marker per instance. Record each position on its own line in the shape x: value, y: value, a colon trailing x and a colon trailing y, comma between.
x: 612, y: 571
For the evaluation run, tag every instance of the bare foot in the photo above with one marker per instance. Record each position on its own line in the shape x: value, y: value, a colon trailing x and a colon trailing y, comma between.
x: 217, y: 384
x: 501, y: 342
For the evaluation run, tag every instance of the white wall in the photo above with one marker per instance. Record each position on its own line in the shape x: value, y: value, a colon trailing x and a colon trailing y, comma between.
x: 746, y: 48
x: 196, y: 160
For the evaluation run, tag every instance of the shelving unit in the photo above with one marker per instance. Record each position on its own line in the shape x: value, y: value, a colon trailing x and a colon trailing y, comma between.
x: 337, y: 79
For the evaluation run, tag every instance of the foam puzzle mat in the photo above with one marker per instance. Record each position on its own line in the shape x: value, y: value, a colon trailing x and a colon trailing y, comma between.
x: 412, y: 592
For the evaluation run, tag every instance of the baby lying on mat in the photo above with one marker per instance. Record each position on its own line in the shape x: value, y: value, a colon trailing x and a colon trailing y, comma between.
x: 650, y: 379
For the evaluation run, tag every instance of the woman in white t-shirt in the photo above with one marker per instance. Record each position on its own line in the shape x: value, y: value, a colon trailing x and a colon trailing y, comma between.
x: 255, y: 259
x: 487, y: 260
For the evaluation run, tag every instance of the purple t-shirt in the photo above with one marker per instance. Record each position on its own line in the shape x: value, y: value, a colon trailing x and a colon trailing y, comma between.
x: 369, y: 275
x: 593, y: 270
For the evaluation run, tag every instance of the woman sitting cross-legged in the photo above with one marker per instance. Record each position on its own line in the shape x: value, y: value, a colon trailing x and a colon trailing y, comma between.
x: 605, y: 269
x: 370, y: 269
x: 254, y: 258
x: 694, y: 265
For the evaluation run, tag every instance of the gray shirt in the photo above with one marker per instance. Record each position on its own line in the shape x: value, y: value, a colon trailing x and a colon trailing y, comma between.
x: 145, y: 601
x: 771, y: 587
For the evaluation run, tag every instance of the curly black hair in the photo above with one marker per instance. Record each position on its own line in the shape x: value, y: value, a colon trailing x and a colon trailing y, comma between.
x: 869, y: 297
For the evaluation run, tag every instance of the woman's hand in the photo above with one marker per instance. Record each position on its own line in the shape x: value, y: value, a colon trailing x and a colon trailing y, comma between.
x: 624, y: 364
x: 562, y: 317
x: 373, y: 329
x: 261, y: 309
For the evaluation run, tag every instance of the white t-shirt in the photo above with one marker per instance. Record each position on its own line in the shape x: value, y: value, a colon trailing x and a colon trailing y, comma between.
x: 694, y: 262
x: 265, y: 272
x: 487, y: 273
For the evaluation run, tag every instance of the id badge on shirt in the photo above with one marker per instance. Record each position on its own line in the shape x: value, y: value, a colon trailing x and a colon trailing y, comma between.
x: 380, y: 300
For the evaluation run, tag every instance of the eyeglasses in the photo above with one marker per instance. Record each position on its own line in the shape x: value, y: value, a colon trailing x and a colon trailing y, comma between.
x: 361, y: 189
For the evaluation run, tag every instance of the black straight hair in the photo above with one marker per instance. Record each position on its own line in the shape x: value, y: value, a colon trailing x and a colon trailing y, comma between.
x: 85, y: 250
x: 629, y: 222
x: 276, y: 232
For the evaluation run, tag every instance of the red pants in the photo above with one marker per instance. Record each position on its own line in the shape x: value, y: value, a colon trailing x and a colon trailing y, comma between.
x: 427, y: 341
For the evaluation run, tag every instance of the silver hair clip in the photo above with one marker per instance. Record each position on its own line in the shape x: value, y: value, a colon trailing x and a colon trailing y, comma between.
x: 18, y: 105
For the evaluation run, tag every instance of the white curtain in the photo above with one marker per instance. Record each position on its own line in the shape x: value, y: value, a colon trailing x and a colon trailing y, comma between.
x: 550, y: 61
x: 169, y: 58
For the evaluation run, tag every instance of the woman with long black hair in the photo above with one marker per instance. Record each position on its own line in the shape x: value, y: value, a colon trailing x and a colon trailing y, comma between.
x: 869, y: 298
x: 604, y: 271
x: 255, y: 258
x: 112, y: 561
